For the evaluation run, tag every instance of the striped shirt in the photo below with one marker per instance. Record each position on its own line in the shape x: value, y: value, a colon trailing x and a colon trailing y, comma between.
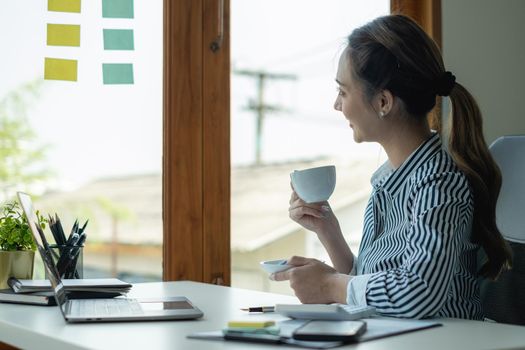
x: 416, y: 259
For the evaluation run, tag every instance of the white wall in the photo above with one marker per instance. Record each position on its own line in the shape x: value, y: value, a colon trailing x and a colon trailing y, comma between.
x: 484, y: 47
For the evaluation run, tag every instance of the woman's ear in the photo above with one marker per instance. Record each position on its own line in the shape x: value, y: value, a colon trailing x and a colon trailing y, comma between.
x: 384, y: 103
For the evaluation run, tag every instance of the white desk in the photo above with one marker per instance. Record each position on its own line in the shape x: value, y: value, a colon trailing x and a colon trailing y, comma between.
x: 36, y: 327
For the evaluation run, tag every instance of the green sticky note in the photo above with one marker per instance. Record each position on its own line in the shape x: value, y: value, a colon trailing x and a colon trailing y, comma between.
x: 63, y: 35
x: 117, y: 8
x: 118, y: 39
x: 60, y: 69
x: 64, y: 5
x: 117, y: 73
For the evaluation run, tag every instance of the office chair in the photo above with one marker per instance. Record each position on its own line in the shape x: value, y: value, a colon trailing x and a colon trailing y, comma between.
x: 504, y: 300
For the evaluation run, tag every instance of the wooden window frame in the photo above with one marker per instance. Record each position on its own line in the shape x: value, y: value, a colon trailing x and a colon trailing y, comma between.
x: 196, y: 142
x: 196, y: 134
x: 425, y: 12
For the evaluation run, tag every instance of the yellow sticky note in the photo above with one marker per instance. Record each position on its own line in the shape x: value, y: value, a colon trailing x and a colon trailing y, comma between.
x: 60, y: 69
x: 64, y: 5
x: 63, y: 34
x: 251, y: 323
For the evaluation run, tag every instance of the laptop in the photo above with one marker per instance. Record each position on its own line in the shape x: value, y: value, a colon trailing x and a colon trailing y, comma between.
x: 103, y: 310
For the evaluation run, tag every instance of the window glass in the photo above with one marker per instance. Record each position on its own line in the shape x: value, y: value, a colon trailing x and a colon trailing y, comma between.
x: 90, y: 136
x: 284, y: 58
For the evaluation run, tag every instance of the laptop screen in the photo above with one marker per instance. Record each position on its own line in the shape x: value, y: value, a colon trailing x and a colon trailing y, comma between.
x: 43, y: 248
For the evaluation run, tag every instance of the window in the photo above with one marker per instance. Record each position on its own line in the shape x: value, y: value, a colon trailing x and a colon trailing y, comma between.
x: 283, y: 90
x: 196, y: 172
x: 195, y: 129
x: 101, y: 143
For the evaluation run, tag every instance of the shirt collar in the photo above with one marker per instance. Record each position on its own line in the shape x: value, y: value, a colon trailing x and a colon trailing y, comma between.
x: 390, y: 179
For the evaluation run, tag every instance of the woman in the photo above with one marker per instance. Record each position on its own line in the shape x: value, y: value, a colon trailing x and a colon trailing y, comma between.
x: 432, y: 206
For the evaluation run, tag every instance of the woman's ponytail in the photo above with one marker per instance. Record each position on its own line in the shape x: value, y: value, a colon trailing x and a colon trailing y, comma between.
x: 470, y: 152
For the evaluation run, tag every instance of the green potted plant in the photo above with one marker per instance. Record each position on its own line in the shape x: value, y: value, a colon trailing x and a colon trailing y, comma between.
x: 17, y: 248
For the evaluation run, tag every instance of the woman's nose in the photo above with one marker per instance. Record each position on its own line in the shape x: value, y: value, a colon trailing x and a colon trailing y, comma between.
x: 337, y: 104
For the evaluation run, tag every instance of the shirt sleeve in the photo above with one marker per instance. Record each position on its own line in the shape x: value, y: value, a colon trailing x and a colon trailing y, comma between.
x: 439, y: 216
x: 356, y: 290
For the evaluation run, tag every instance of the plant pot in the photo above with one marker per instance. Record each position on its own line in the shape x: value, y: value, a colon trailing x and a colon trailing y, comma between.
x: 17, y: 264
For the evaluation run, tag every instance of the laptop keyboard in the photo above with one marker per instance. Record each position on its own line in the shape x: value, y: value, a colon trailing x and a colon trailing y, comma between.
x: 105, y: 307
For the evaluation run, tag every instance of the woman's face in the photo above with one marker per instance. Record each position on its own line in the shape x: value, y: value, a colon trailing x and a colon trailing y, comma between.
x: 356, y: 108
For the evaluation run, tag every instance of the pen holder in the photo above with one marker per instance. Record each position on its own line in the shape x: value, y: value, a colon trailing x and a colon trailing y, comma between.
x: 68, y: 260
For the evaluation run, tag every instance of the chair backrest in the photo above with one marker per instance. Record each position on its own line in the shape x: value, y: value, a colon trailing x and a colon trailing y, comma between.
x: 504, y: 299
x: 509, y: 153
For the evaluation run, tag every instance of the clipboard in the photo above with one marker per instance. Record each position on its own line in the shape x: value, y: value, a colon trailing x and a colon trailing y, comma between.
x: 377, y: 327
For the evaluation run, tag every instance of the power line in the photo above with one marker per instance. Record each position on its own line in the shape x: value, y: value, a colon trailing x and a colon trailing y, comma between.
x: 259, y: 106
x: 304, y: 54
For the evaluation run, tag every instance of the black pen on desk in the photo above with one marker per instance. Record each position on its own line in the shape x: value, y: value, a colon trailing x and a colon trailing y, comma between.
x: 259, y: 309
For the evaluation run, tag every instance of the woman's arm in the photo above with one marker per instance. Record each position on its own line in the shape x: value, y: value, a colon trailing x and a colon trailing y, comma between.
x: 319, y: 218
x: 441, y: 216
x: 338, y: 250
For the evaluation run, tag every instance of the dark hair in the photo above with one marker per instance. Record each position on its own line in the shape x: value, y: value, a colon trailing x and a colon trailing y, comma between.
x: 394, y: 53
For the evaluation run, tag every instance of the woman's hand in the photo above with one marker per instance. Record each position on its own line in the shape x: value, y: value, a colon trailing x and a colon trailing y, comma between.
x: 319, y: 218
x: 313, y: 281
x: 316, y: 217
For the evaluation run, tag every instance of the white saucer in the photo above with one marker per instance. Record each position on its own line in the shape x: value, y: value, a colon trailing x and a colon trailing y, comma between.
x: 272, y: 266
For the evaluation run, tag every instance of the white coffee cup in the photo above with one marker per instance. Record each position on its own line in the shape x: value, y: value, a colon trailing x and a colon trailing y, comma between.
x: 315, y: 184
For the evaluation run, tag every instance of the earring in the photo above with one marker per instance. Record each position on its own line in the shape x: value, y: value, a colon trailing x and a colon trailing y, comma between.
x: 381, y: 114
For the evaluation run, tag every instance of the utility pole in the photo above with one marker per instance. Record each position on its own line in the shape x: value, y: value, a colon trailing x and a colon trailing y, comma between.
x: 259, y: 106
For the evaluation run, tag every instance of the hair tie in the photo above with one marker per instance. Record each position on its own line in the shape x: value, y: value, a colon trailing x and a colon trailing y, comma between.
x: 445, y: 84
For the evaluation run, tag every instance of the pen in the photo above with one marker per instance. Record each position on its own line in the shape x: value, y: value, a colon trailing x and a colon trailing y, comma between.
x: 60, y: 231
x: 83, y: 227
x: 260, y: 309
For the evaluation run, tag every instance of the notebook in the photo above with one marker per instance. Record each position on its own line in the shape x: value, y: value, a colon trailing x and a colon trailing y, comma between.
x: 102, y: 285
x: 34, y: 298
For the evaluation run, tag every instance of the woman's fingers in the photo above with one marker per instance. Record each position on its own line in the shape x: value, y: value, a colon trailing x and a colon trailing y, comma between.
x: 299, y: 260
x: 298, y: 212
x: 294, y: 197
x: 298, y: 208
x: 300, y: 203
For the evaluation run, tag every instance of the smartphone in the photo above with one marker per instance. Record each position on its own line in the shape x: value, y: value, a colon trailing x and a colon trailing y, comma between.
x: 320, y: 330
